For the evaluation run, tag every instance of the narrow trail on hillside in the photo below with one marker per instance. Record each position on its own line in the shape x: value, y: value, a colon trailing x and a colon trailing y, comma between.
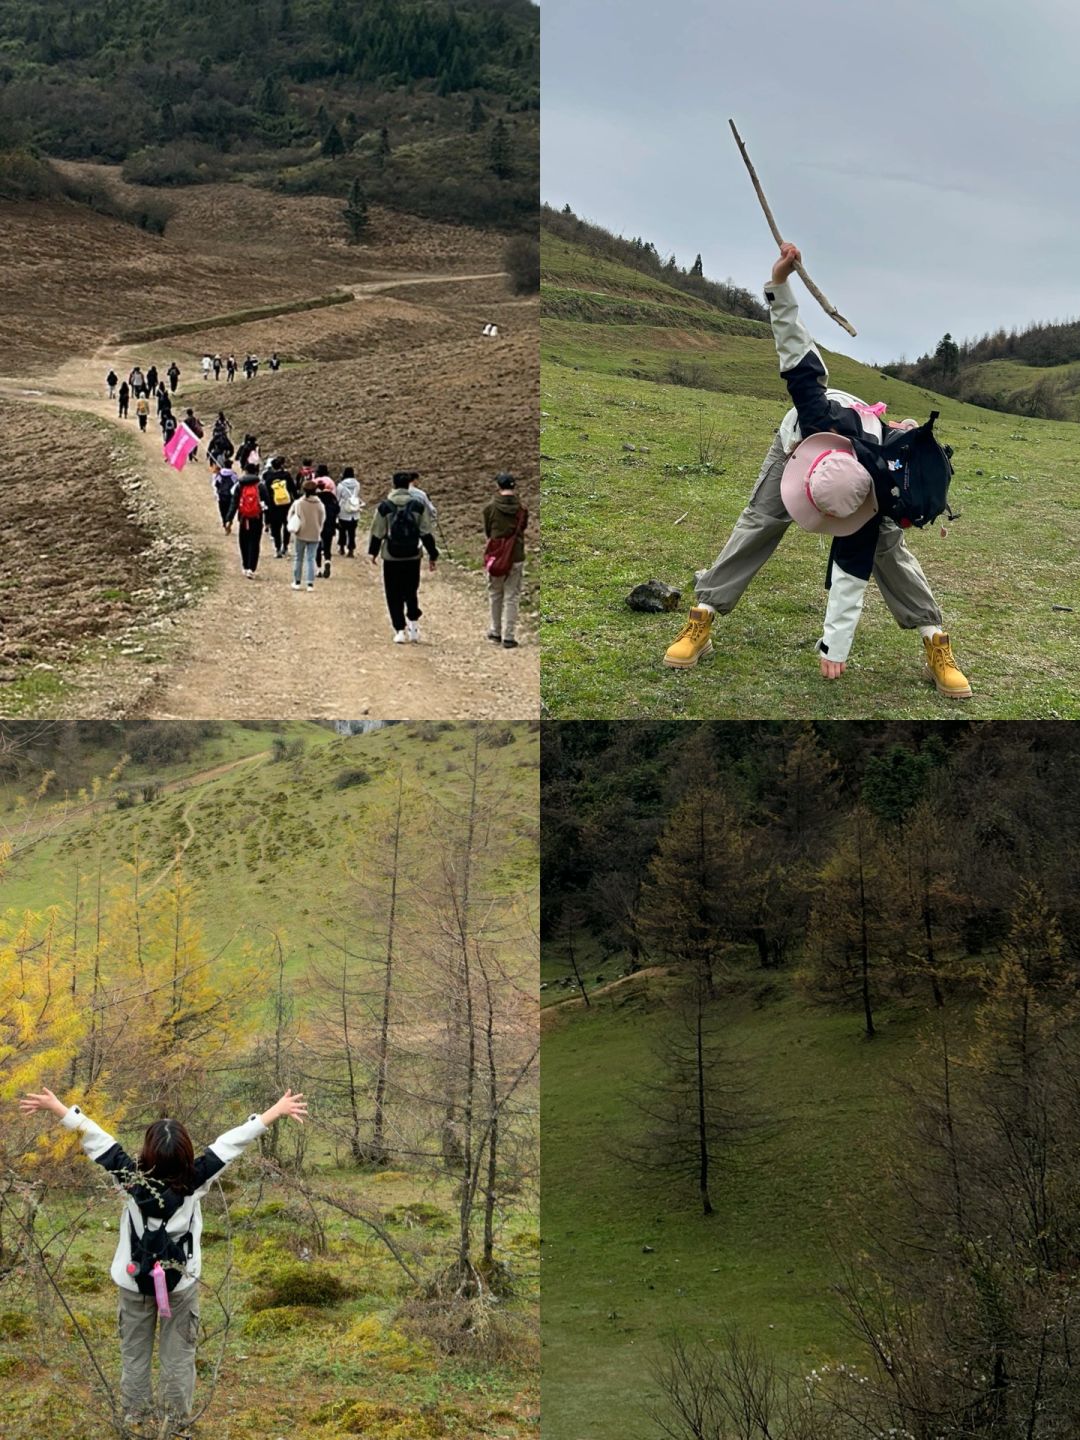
x: 195, y: 783
x: 256, y: 649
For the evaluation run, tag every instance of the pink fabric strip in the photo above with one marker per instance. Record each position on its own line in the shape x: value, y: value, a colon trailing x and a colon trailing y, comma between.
x: 878, y: 409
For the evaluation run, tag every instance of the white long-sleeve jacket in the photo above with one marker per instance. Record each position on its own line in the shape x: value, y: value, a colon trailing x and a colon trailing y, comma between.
x: 187, y: 1217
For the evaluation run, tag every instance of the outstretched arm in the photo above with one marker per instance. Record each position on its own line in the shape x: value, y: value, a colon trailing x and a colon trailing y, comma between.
x: 230, y: 1146
x: 801, y: 366
x: 292, y: 1105
x: 98, y: 1144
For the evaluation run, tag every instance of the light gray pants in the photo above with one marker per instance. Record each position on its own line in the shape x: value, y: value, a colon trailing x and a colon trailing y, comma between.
x: 760, y: 528
x: 138, y: 1319
x: 505, y: 592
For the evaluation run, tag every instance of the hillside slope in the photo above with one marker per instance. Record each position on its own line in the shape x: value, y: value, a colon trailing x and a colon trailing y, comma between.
x: 627, y: 1258
x: 656, y: 411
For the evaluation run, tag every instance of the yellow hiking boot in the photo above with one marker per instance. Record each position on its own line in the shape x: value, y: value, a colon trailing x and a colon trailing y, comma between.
x: 692, y: 641
x: 943, y: 669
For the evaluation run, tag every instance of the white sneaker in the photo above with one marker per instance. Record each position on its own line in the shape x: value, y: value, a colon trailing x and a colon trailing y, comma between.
x: 311, y: 587
x: 400, y: 637
x: 296, y: 584
x: 412, y: 630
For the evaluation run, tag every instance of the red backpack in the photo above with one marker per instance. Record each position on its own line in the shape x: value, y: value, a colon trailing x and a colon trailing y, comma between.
x: 499, y: 553
x: 250, y: 507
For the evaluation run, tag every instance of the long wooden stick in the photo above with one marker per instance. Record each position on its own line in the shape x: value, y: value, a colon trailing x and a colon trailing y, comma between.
x: 826, y: 305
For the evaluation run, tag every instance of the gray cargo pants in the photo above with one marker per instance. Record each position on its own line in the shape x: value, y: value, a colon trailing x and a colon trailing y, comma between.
x: 760, y: 528
x: 504, y: 592
x: 138, y: 1319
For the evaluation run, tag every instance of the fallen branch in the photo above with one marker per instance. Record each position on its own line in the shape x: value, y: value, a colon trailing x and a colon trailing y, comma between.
x: 826, y: 305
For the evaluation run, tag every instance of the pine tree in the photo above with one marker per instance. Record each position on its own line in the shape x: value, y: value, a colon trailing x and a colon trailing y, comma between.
x: 477, y: 115
x: 355, y: 213
x: 332, y: 144
x: 382, y: 152
x: 500, y: 160
x: 696, y: 269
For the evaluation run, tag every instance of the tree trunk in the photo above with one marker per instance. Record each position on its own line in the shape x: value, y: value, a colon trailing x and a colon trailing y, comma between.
x: 378, y: 1140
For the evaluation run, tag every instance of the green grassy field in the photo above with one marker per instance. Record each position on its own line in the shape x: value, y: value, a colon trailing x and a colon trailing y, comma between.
x: 656, y: 412
x: 252, y: 837
x: 792, y: 1200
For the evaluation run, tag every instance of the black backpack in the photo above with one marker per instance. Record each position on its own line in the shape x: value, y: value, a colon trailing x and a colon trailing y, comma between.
x: 152, y: 1246
x: 920, y: 469
x: 403, y: 531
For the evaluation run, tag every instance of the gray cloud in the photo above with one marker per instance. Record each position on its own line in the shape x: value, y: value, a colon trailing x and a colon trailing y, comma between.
x: 922, y: 157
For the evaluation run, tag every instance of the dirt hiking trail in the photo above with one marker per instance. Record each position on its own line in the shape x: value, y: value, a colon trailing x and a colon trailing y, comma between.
x: 257, y: 649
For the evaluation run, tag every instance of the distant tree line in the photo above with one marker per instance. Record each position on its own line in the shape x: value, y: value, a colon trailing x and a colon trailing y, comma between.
x: 643, y: 255
x: 1042, y: 345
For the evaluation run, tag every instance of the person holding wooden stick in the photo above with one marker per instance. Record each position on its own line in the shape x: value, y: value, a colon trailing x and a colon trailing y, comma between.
x: 831, y: 492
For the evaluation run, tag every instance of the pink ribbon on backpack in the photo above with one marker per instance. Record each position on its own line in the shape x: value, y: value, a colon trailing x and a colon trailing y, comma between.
x: 161, y: 1290
x: 878, y: 409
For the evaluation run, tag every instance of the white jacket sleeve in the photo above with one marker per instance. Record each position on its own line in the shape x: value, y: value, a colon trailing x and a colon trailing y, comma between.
x: 225, y: 1149
x: 793, y: 340
x: 846, y: 596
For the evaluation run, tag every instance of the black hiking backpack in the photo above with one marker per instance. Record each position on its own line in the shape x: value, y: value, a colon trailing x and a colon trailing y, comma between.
x: 403, y: 528
x: 152, y: 1246
x: 920, y: 469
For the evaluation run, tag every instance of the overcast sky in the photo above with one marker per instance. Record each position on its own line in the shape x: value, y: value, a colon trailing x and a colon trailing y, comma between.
x: 925, y: 156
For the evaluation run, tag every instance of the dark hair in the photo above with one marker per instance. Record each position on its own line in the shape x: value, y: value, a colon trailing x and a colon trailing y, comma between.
x: 348, y: 473
x: 250, y: 469
x: 321, y: 469
x: 168, y: 1156
x: 505, y: 481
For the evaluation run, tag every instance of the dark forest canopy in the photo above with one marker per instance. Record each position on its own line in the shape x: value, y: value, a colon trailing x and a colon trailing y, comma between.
x: 1009, y: 794
x: 204, y: 91
x: 642, y: 255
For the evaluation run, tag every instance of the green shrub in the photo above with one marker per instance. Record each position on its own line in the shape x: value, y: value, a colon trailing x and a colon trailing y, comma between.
x: 521, y: 261
x: 279, y: 1320
x: 14, y: 1325
x: 345, y: 779
x: 296, y: 1284
x: 174, y: 165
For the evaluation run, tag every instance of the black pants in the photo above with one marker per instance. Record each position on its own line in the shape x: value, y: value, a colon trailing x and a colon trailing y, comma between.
x: 326, y: 544
x: 142, y: 423
x: 346, y: 536
x: 224, y: 505
x: 123, y: 409
x: 401, y: 580
x: 278, y: 515
x: 172, y: 382
x: 250, y: 541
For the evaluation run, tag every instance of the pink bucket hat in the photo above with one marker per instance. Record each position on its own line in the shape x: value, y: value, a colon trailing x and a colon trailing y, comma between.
x: 825, y: 489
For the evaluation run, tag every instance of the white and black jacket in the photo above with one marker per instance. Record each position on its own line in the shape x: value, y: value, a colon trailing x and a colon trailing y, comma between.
x: 817, y: 408
x: 180, y: 1215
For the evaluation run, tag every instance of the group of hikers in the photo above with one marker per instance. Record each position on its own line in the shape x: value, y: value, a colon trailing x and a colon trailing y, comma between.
x: 308, y: 513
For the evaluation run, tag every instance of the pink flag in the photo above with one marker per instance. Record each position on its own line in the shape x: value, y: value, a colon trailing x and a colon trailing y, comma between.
x: 183, y: 442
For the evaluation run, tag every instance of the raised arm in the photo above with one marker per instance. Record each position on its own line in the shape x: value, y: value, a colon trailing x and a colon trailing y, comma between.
x: 801, y: 366
x: 230, y: 1146
x: 97, y: 1143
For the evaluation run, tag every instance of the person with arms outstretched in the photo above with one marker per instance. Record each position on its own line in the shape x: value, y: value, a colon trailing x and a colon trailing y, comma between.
x: 158, y: 1257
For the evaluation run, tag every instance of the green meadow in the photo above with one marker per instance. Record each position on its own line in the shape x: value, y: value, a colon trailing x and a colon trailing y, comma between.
x: 656, y: 412
x: 790, y: 1203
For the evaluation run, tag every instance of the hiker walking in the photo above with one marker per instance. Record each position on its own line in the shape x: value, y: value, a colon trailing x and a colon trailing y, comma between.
x: 168, y: 426
x: 158, y: 1257
x: 400, y: 532
x: 151, y: 380
x: 161, y: 395
x: 195, y: 426
x: 173, y: 373
x: 142, y: 412
x: 274, y: 363
x: 307, y: 516
x: 505, y: 519
x: 249, y: 368
x: 348, y: 494
x: 217, y: 367
x: 230, y: 369
x: 136, y: 380
x: 224, y: 479
x: 111, y: 380
x: 123, y: 396
x: 829, y: 468
x: 207, y: 361
x: 328, y: 495
x: 283, y: 492
x: 250, y: 496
